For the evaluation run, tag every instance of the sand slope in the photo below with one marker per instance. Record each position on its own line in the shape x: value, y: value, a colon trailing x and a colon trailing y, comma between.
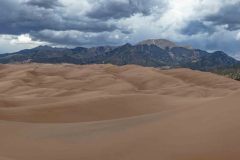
x: 105, y: 112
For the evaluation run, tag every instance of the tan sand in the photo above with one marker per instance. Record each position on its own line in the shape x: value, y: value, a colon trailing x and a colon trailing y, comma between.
x: 105, y: 112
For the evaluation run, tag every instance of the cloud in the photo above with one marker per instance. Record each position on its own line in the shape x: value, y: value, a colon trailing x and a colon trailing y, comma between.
x: 196, y: 27
x: 116, y: 9
x: 44, y: 3
x: 11, y: 43
x: 31, y: 18
x: 204, y: 24
x: 75, y: 38
x: 221, y: 40
x: 101, y: 19
x: 228, y: 15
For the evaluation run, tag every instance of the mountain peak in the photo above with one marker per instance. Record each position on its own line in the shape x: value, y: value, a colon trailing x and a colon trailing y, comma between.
x: 128, y: 45
x: 162, y: 43
x: 44, y: 46
x: 151, y: 53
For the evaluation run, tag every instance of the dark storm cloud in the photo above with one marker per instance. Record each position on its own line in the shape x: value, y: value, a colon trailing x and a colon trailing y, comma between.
x: 195, y: 27
x: 75, y: 38
x: 44, y: 3
x: 19, y: 18
x: 35, y: 16
x: 228, y: 15
x: 110, y: 9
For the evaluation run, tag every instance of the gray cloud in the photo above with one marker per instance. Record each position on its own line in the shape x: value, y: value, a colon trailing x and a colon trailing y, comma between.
x: 110, y: 9
x: 44, y: 3
x: 221, y: 41
x: 112, y: 22
x: 27, y: 18
x: 228, y: 15
x: 196, y: 27
x: 75, y: 38
x: 34, y: 17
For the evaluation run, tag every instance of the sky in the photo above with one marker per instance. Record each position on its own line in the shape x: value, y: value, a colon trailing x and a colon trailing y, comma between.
x: 205, y: 24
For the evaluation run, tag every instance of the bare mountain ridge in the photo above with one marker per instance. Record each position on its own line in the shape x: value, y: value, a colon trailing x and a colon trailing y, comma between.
x: 161, y: 43
x: 151, y: 53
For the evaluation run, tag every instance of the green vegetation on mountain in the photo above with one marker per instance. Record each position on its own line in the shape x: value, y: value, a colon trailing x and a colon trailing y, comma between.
x: 233, y: 73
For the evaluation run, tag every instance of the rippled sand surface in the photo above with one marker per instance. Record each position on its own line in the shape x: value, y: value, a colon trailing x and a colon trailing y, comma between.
x: 106, y: 112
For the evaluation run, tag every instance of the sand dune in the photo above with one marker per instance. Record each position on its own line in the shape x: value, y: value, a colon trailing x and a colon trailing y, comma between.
x: 105, y: 112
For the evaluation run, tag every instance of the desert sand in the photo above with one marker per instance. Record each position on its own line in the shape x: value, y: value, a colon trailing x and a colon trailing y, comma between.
x: 106, y: 112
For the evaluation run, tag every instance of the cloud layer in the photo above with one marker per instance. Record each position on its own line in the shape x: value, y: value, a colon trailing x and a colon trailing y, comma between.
x: 209, y: 25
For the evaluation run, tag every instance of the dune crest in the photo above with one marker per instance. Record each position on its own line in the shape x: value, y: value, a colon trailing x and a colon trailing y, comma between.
x: 70, y: 93
x: 109, y: 112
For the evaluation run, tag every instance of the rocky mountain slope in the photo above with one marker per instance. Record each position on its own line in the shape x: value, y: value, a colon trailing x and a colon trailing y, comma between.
x: 153, y: 53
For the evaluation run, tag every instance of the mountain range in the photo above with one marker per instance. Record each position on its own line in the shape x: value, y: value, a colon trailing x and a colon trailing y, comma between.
x: 152, y: 53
